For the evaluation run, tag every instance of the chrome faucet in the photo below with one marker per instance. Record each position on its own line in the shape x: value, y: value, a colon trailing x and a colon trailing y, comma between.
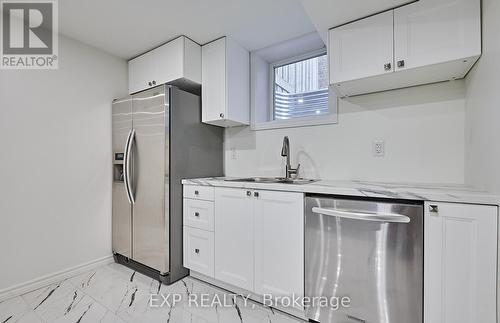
x: 285, y: 152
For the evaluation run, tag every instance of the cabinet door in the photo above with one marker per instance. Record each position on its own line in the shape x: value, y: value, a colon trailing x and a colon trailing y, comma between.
x: 237, y: 84
x: 198, y: 214
x: 199, y: 251
x: 234, y: 232
x: 140, y: 73
x: 279, y: 243
x: 169, y: 61
x: 460, y: 260
x: 362, y: 49
x: 436, y: 31
x: 213, y: 80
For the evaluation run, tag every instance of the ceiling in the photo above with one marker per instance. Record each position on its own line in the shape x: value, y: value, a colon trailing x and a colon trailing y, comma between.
x: 127, y: 28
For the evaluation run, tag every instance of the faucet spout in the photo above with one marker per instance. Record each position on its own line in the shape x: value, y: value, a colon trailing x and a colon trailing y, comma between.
x: 285, y: 152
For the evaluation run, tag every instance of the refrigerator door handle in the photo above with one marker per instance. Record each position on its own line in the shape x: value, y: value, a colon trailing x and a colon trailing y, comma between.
x: 125, y: 177
x: 363, y: 216
x: 128, y: 150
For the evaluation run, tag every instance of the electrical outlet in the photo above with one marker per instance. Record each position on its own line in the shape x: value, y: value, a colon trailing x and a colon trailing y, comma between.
x: 378, y: 148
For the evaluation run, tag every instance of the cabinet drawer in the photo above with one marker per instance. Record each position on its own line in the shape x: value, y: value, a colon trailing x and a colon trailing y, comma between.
x: 199, y: 192
x: 199, y: 251
x: 199, y: 214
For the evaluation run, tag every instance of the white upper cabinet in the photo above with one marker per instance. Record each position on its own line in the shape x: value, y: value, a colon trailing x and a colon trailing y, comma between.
x: 279, y: 243
x: 225, y: 83
x: 424, y: 42
x: 177, y: 61
x: 213, y: 80
x: 460, y: 263
x: 362, y: 49
x: 437, y: 31
x: 140, y: 72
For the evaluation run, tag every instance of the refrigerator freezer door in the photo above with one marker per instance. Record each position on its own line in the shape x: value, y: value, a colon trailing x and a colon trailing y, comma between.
x: 150, y: 163
x: 122, y: 210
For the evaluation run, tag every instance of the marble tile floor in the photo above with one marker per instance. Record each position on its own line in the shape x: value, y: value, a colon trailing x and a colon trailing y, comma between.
x: 114, y: 293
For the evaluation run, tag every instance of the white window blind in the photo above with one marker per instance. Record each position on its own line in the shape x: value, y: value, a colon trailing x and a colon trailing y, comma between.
x: 301, y: 89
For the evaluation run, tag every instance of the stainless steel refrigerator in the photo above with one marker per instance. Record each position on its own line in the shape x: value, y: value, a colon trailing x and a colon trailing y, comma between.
x: 158, y: 139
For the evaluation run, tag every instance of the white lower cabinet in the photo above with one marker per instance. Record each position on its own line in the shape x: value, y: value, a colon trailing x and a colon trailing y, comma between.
x: 234, y: 234
x: 254, y: 240
x: 279, y: 243
x: 199, y: 250
x: 198, y: 235
x: 259, y: 240
x: 199, y: 214
x: 460, y: 263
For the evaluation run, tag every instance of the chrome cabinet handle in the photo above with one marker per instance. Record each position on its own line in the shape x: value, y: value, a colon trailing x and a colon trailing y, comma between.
x: 154, y: 82
x: 401, y: 63
x: 433, y: 208
x: 388, y: 66
x: 196, y: 214
x: 149, y: 83
x: 256, y: 194
x: 221, y: 115
x: 196, y: 193
x: 249, y: 193
x: 197, y: 251
x: 363, y: 216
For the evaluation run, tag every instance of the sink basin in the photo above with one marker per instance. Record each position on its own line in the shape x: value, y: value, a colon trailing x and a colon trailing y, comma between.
x: 280, y: 180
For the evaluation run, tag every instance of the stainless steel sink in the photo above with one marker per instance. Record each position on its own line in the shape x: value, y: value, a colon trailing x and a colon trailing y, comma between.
x: 280, y: 180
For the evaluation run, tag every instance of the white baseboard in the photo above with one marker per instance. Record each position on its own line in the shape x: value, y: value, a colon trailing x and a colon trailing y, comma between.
x: 52, y: 278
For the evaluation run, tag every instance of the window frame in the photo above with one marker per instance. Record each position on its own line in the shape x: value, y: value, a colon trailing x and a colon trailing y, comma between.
x: 329, y: 118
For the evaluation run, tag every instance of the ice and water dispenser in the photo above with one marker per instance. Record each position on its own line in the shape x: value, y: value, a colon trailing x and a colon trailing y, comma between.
x: 118, y: 167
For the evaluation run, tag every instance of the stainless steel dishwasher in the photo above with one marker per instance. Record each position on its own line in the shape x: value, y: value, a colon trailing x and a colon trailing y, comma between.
x: 368, y: 251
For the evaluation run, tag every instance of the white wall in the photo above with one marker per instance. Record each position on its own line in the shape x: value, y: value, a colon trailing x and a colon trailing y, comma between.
x: 483, y: 107
x: 423, y: 129
x: 55, y: 163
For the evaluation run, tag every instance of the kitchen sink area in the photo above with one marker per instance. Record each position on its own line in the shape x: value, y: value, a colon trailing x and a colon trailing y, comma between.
x: 273, y: 180
x: 291, y: 173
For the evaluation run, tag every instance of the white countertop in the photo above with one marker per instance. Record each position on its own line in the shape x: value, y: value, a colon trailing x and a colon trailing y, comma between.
x: 421, y: 192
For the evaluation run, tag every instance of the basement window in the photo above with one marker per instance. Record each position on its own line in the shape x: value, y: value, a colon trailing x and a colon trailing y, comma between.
x: 292, y: 90
x: 300, y: 88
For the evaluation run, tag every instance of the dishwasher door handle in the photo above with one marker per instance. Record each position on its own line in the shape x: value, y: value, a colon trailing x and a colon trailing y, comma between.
x: 363, y: 216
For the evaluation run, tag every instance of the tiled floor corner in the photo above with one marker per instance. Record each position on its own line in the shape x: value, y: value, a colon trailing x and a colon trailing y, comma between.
x: 115, y: 293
